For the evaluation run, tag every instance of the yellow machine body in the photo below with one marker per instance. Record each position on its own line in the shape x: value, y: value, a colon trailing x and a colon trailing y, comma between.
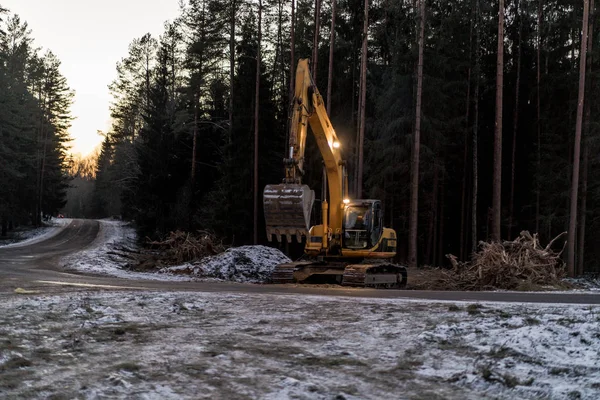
x: 351, y: 230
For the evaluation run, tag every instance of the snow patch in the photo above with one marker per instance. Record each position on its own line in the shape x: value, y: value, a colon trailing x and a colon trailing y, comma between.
x: 36, y: 235
x: 103, y: 257
x: 252, y: 264
x: 231, y: 345
x: 586, y: 283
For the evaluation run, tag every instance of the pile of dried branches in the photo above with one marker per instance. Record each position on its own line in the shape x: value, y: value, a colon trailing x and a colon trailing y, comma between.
x: 180, y: 247
x: 509, y: 265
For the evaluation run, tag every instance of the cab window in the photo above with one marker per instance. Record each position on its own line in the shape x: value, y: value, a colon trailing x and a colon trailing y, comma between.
x: 357, y: 218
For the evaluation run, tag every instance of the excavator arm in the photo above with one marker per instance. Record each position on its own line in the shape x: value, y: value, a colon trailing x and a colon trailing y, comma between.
x: 288, y: 205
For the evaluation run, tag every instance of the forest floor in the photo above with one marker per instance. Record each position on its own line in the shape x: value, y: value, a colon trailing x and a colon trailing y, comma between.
x: 169, y: 345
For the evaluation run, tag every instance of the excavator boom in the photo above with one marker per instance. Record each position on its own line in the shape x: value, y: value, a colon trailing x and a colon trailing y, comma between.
x: 288, y: 205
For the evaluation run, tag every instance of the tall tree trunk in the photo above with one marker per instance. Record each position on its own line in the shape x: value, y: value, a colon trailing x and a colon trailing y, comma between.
x: 42, y: 173
x: 440, y: 250
x: 331, y: 47
x: 363, y: 101
x: 148, y: 72
x: 497, y: 189
x: 583, y: 211
x: 231, y: 65
x: 414, y: 181
x: 196, y: 105
x: 315, y: 52
x: 539, y: 120
x: 353, y: 106
x: 475, y: 193
x: 174, y: 65
x: 586, y: 138
x: 280, y: 35
x: 292, y: 75
x: 278, y: 77
x: 36, y: 220
x: 577, y: 144
x: 429, y: 256
x: 515, y: 126
x: 256, y: 114
x: 463, y: 201
x: 194, y: 142
x: 292, y: 52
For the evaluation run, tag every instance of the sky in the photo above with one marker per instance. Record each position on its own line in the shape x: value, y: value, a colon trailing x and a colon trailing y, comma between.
x: 90, y: 37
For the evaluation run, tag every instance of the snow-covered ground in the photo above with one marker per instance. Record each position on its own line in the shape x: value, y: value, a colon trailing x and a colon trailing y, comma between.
x: 105, y: 255
x: 252, y: 264
x: 149, y: 345
x: 590, y: 283
x: 36, y: 235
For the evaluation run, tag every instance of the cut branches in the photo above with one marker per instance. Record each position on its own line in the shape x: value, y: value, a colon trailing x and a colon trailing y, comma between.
x: 509, y: 265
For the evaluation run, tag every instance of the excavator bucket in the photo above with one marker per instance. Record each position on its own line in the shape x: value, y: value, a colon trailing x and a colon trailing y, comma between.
x: 287, y: 210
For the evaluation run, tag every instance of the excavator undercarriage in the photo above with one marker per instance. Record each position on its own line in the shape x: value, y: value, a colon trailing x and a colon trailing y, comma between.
x: 375, y: 275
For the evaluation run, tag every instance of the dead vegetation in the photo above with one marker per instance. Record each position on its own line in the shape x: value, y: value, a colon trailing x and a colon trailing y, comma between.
x: 510, y: 265
x: 182, y: 246
x: 177, y: 248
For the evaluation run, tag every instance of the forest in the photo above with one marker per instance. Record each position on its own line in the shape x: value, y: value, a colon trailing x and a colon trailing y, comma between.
x: 470, y: 120
x: 35, y: 102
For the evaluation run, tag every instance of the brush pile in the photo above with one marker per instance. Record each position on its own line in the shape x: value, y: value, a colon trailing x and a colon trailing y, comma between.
x: 510, y: 265
x: 202, y: 255
x: 177, y: 248
x: 180, y: 246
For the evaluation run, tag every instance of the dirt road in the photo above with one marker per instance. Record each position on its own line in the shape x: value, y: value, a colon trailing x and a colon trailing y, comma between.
x: 36, y: 267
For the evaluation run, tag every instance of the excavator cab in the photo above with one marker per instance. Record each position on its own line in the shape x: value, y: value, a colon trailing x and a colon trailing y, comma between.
x: 362, y: 224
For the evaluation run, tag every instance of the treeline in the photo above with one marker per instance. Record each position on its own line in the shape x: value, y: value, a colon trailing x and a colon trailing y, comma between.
x: 181, y: 150
x: 34, y: 118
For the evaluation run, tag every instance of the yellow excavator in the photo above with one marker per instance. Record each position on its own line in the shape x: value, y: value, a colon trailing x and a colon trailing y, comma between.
x: 350, y: 246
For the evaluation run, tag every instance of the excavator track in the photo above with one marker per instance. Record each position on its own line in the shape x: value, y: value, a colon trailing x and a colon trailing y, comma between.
x: 284, y: 273
x: 388, y: 276
x: 383, y: 276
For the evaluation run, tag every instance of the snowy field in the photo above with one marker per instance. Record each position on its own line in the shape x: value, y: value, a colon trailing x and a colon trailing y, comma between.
x: 36, y: 235
x: 149, y: 345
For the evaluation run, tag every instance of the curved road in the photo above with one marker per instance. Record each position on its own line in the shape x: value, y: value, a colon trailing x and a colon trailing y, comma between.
x: 36, y: 268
